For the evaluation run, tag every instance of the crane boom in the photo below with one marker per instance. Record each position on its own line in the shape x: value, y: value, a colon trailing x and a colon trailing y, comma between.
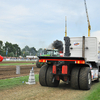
x: 65, y: 26
x: 89, y: 26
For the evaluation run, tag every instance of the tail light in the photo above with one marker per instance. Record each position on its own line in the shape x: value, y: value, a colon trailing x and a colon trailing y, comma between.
x: 54, y: 69
x: 60, y: 51
x: 64, y: 69
x: 80, y: 62
x: 42, y: 60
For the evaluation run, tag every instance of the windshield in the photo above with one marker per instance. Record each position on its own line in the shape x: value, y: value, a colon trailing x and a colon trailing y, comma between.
x: 50, y: 52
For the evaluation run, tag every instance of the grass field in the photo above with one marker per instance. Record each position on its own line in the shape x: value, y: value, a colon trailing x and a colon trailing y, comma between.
x: 9, y: 83
x: 7, y: 64
x: 94, y: 93
x: 12, y: 82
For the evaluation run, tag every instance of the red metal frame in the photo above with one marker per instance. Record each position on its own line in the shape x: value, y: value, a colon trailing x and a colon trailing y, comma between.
x: 54, y: 69
x: 64, y: 69
x: 76, y: 61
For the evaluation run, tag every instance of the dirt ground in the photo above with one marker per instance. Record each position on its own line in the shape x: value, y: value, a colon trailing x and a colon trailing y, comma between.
x: 10, y: 71
x: 38, y: 92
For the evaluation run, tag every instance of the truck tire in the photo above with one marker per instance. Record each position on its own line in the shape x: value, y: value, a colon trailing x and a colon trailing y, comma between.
x: 50, y: 77
x: 42, y: 75
x: 85, y: 78
x: 38, y: 64
x: 75, y: 78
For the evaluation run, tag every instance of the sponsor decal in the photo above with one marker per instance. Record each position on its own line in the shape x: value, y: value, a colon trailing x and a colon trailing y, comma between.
x: 76, y: 43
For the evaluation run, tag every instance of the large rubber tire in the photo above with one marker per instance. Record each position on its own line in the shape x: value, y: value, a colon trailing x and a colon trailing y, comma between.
x: 85, y: 78
x: 38, y: 64
x: 43, y: 74
x: 49, y: 78
x: 75, y: 78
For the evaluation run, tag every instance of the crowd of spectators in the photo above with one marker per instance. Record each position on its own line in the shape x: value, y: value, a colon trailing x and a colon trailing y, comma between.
x: 18, y: 58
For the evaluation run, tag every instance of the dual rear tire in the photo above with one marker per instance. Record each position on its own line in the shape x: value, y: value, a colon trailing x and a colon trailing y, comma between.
x: 42, y: 75
x: 81, y: 78
x: 46, y: 78
x: 85, y: 78
x: 75, y: 77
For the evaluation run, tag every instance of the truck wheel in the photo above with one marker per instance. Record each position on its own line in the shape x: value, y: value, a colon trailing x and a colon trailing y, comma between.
x: 42, y: 75
x: 75, y: 77
x: 85, y: 78
x: 50, y: 77
x: 38, y: 64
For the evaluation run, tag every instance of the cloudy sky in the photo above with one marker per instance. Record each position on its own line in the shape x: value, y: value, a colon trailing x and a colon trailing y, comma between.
x: 37, y: 23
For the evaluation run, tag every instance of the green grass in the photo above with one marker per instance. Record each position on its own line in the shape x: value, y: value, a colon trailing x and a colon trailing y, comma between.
x: 94, y: 93
x: 7, y: 64
x: 12, y: 82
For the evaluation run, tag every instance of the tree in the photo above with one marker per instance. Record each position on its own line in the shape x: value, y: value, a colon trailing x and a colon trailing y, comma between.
x: 8, y: 48
x: 40, y: 52
x: 29, y: 51
x: 17, y: 50
x: 33, y: 51
x: 26, y: 51
x: 12, y: 49
x: 1, y: 47
x: 11, y: 54
x: 1, y: 44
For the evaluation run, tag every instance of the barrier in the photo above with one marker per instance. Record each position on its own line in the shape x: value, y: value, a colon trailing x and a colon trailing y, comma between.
x: 17, y: 69
x: 31, y: 79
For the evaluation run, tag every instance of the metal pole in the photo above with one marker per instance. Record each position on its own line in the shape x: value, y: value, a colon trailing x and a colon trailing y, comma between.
x: 65, y: 26
x: 83, y: 47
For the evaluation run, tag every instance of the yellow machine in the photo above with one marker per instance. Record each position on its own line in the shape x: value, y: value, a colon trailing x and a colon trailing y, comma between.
x: 65, y: 26
x: 89, y: 26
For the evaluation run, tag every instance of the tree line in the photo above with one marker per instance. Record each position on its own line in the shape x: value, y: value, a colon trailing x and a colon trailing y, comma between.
x: 13, y: 50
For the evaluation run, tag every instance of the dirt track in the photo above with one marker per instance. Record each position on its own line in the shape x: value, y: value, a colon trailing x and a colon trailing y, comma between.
x: 10, y: 71
x: 37, y: 92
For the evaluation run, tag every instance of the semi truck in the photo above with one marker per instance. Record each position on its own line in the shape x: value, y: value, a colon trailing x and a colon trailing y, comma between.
x: 79, y: 66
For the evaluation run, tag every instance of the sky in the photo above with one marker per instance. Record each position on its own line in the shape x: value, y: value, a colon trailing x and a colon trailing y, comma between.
x: 37, y: 23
